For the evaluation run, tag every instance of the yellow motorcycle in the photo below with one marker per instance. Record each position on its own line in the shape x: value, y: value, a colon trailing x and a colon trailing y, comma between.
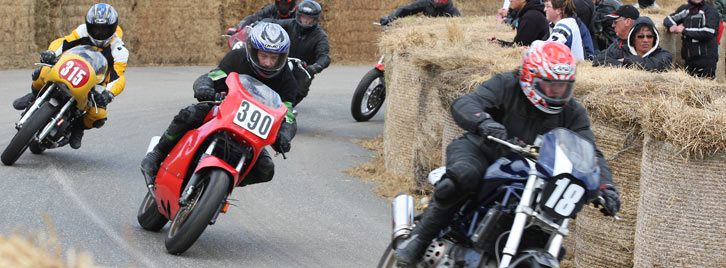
x: 63, y: 99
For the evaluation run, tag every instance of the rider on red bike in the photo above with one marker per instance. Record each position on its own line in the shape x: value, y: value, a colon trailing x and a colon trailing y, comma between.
x: 264, y: 58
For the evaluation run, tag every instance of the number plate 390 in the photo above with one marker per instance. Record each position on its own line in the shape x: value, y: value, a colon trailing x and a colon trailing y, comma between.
x: 254, y: 119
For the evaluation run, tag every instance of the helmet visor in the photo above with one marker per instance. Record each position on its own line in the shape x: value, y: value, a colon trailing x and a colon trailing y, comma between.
x: 554, y: 92
x: 306, y: 20
x: 101, y: 31
x: 284, y: 7
x: 268, y: 62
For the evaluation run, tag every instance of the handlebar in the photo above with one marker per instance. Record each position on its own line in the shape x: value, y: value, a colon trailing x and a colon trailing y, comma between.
x: 526, y: 151
x: 601, y: 200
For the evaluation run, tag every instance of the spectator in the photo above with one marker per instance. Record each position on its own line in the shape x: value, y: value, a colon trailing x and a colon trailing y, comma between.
x: 585, y: 9
x: 698, y: 23
x: 569, y: 30
x: 532, y: 23
x: 603, y: 33
x: 650, y: 4
x: 642, y: 50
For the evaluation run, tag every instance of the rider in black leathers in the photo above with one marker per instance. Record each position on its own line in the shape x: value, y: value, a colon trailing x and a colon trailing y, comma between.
x: 430, y: 8
x: 282, y: 9
x: 208, y: 86
x: 309, y: 42
x: 501, y: 108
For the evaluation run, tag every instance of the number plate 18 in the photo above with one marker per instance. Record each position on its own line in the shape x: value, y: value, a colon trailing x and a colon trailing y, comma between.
x: 254, y: 119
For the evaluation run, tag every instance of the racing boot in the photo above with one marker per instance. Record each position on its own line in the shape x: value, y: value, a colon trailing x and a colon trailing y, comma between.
x: 436, y: 216
x: 152, y: 161
x: 77, y: 134
x: 25, y: 101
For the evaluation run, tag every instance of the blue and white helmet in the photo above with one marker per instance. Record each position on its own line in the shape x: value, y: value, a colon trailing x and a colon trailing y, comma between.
x: 270, y: 38
x: 101, y: 23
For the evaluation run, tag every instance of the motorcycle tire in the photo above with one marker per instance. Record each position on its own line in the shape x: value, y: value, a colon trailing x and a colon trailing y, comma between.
x: 190, y: 221
x: 23, y: 137
x: 388, y: 260
x: 149, y: 216
x: 36, y: 148
x: 368, y: 96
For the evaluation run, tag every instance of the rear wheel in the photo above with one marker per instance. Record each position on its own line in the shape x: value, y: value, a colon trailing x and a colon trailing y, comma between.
x: 149, y: 216
x: 190, y: 221
x: 23, y: 137
x: 368, y: 96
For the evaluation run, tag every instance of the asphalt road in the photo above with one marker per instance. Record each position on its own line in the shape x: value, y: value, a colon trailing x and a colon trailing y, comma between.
x: 310, y: 215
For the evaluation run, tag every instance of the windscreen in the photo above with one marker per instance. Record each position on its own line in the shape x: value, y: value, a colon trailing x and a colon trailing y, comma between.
x: 260, y: 91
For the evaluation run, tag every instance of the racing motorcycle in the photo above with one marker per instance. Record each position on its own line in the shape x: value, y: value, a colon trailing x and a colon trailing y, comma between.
x: 370, y: 92
x: 236, y: 40
x: 194, y: 182
x: 67, y: 93
x: 520, y: 215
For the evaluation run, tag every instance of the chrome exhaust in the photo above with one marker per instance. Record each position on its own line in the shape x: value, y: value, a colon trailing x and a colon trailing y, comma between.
x: 402, y: 211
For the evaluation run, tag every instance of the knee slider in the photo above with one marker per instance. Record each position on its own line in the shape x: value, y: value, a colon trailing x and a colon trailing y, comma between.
x: 99, y: 123
x: 36, y: 74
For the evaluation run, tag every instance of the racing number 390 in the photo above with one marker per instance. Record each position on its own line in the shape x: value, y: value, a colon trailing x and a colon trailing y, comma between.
x: 255, y: 122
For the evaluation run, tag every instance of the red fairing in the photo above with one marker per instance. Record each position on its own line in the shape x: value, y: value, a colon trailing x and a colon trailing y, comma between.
x: 379, y: 66
x: 174, y: 169
x: 238, y: 37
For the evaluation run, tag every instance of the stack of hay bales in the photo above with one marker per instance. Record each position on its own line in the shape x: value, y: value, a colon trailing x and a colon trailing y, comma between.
x: 436, y: 60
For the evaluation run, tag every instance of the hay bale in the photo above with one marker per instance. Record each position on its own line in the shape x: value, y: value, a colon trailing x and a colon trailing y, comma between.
x: 601, y: 241
x: 680, y: 216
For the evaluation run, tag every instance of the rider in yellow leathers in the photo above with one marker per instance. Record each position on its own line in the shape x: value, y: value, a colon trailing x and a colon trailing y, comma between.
x: 100, y: 31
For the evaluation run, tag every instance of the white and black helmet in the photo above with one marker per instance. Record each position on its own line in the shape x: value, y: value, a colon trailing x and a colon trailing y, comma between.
x: 308, y: 8
x: 267, y: 37
x: 101, y: 23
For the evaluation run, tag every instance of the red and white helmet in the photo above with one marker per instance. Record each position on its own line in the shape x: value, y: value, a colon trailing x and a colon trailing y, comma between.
x: 547, y: 75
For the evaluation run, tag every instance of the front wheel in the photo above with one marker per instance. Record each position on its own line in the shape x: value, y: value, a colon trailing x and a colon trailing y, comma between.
x: 368, y: 96
x: 24, y: 136
x: 149, y: 216
x: 388, y: 260
x: 191, y: 220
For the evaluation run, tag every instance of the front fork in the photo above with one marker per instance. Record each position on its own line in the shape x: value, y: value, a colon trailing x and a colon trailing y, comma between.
x: 520, y: 219
x: 34, y: 107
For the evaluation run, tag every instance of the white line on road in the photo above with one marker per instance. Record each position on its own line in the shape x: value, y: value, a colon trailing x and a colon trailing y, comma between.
x: 62, y: 178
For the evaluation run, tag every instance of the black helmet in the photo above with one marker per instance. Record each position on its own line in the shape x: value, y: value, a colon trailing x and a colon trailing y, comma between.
x: 270, y: 38
x: 285, y: 7
x: 308, y: 8
x: 101, y: 23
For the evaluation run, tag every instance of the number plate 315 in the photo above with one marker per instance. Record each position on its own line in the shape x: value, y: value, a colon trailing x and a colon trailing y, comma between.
x: 254, y: 119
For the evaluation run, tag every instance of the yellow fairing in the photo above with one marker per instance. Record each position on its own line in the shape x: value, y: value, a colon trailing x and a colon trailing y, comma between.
x: 77, y: 74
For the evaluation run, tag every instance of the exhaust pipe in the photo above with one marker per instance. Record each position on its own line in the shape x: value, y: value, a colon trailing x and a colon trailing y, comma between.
x: 402, y: 210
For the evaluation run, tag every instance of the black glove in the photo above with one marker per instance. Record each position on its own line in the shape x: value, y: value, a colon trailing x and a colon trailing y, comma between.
x: 282, y: 142
x: 205, y: 93
x: 104, y: 98
x: 489, y: 127
x: 385, y: 20
x: 313, y: 68
x: 609, y: 194
x: 48, y: 57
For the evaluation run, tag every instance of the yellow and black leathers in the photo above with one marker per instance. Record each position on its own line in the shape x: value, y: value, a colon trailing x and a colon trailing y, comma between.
x: 117, y: 56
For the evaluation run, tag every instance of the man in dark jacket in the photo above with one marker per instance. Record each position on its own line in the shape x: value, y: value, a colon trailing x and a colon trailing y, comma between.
x: 584, y: 10
x: 308, y: 42
x: 265, y: 59
x: 520, y: 104
x: 430, y: 8
x: 603, y: 33
x: 642, y: 50
x: 532, y: 24
x: 281, y: 9
x: 698, y: 23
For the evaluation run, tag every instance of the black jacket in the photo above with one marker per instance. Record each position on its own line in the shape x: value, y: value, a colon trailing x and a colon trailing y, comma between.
x: 310, y: 45
x: 585, y: 10
x: 657, y: 59
x: 429, y: 9
x: 603, y: 33
x: 532, y: 25
x: 503, y: 99
x: 699, y: 37
x: 236, y: 61
x: 267, y: 12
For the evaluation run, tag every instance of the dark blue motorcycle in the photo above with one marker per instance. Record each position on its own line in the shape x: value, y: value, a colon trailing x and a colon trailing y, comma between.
x: 520, y: 216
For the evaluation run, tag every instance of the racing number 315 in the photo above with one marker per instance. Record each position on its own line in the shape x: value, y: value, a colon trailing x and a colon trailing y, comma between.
x: 262, y: 125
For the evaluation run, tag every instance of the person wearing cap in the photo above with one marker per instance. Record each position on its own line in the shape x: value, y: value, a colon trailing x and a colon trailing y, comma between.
x: 601, y: 29
x: 623, y: 17
x: 642, y: 49
x: 698, y: 23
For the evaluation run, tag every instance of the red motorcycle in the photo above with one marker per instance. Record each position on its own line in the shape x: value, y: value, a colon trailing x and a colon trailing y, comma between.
x: 197, y: 177
x: 370, y: 92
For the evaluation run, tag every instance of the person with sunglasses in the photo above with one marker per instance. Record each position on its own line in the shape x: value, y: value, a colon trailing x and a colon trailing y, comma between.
x: 642, y: 49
